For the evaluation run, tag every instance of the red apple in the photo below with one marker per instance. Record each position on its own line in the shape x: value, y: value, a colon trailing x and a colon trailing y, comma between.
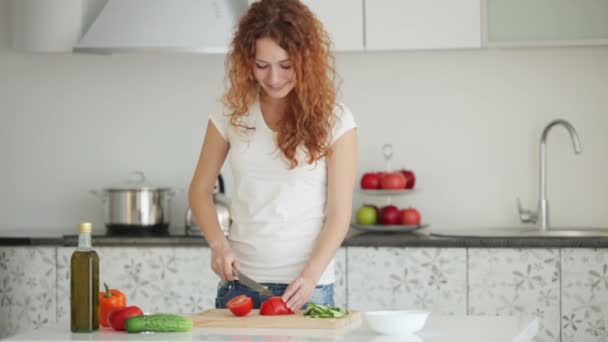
x: 390, y: 215
x: 370, y: 180
x: 393, y: 181
x: 410, y: 216
x: 411, y: 178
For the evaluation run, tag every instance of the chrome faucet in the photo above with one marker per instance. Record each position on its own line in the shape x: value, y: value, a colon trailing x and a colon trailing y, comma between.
x: 541, y: 217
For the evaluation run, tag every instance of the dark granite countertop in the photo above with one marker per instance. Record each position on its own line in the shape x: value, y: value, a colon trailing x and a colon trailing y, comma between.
x: 354, y: 239
x: 423, y: 239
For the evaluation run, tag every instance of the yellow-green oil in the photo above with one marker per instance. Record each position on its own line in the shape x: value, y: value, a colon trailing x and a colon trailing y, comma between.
x: 84, y: 289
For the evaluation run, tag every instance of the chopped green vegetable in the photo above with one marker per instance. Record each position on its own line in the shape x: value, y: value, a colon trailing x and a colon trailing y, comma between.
x: 322, y: 311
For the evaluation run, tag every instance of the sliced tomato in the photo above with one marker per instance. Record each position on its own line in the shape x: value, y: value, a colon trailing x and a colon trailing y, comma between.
x: 274, y: 306
x: 240, y: 305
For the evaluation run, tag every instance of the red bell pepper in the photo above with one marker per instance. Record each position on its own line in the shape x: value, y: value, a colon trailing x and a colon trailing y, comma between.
x: 109, y: 300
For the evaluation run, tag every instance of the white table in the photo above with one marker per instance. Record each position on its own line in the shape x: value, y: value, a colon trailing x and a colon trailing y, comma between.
x: 437, y: 328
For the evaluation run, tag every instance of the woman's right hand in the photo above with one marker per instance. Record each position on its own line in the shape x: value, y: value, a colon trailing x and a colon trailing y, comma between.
x: 223, y: 260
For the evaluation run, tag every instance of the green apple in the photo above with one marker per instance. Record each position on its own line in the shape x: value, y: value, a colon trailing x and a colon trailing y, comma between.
x: 367, y: 215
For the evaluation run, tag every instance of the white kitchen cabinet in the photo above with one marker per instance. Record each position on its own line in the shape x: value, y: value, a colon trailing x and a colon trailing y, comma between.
x: 422, y: 24
x: 584, y: 295
x: 545, y: 22
x: 157, y: 279
x: 343, y: 20
x: 27, y: 288
x: 407, y: 278
x: 515, y: 282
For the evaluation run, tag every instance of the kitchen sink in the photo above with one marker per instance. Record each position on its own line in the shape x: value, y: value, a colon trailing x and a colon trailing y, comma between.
x: 525, y: 232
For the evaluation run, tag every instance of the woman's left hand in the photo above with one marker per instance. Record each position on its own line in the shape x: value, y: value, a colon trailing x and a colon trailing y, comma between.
x: 299, y: 292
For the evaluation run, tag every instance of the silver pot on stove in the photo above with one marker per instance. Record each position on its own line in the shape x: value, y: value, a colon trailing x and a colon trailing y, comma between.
x: 136, y: 207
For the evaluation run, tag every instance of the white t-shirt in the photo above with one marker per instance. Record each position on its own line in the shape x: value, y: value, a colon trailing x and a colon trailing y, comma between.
x: 277, y: 213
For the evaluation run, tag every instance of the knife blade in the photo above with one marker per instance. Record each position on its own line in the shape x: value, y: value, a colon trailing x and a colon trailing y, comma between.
x: 250, y: 283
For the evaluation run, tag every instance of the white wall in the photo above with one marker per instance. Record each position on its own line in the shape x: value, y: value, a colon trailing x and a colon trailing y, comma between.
x: 82, y: 122
x: 468, y: 123
x: 5, y: 32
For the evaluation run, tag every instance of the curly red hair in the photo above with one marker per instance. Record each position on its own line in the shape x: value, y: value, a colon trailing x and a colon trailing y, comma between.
x: 310, y: 110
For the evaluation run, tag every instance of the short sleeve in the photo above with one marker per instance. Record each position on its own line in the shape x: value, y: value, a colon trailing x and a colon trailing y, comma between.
x: 344, y: 122
x: 220, y: 120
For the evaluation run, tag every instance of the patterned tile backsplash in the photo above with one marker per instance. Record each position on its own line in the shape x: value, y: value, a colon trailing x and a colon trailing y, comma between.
x: 407, y: 278
x: 566, y: 288
x: 161, y: 279
x: 584, y: 295
x: 157, y: 279
x: 508, y: 282
x: 35, y: 281
x: 27, y: 288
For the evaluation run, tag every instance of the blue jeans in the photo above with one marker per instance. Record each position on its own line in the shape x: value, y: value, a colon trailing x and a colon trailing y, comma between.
x: 226, y: 290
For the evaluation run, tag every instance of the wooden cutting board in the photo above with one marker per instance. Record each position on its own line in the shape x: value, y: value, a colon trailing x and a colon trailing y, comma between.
x: 223, y: 318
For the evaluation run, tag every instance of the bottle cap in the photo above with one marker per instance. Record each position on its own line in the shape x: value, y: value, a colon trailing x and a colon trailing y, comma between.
x: 85, y: 227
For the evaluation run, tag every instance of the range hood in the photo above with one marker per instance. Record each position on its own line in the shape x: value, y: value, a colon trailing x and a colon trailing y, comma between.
x: 200, y: 26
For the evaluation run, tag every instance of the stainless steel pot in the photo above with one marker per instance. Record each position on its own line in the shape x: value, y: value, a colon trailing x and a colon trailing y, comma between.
x: 222, y: 208
x: 136, y: 207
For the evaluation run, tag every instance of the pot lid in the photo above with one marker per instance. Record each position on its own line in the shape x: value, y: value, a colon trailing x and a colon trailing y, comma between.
x: 136, y: 181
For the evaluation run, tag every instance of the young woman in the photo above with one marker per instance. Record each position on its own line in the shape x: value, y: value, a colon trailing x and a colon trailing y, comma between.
x: 293, y: 155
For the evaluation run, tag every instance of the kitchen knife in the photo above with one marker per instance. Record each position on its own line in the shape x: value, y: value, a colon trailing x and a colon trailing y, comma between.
x: 250, y: 283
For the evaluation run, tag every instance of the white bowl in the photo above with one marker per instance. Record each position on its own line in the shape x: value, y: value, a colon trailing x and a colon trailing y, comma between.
x: 397, y: 338
x: 396, y: 322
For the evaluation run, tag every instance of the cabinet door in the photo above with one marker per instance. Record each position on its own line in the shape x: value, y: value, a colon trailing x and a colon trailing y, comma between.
x: 27, y: 289
x: 422, y: 24
x: 584, y: 294
x: 407, y: 278
x: 546, y: 22
x: 515, y: 282
x: 157, y: 279
x: 343, y: 20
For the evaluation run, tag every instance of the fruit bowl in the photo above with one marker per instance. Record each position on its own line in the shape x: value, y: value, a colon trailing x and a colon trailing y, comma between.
x: 389, y: 227
x: 396, y: 322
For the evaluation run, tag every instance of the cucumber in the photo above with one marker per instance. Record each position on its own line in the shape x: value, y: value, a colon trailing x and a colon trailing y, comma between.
x: 158, y: 323
x: 322, y: 311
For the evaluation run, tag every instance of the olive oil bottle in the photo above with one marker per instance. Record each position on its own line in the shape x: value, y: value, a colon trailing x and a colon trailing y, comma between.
x: 84, y: 283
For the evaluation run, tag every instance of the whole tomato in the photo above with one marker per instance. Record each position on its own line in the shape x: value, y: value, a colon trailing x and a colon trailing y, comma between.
x: 240, y: 305
x: 119, y: 316
x: 410, y: 216
x: 274, y: 306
